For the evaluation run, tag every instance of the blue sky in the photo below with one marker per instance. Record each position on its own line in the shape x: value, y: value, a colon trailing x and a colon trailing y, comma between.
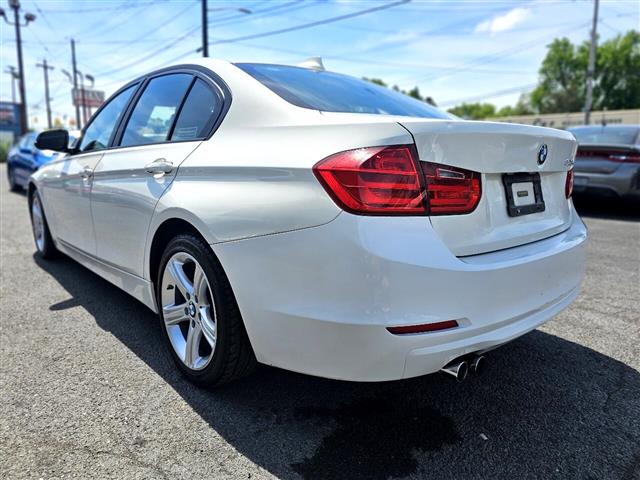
x: 453, y: 50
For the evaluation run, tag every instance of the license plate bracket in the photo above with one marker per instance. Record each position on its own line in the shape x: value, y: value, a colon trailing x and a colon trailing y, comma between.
x: 516, y: 208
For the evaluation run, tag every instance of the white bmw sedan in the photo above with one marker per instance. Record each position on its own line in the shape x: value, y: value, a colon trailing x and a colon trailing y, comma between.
x: 315, y: 222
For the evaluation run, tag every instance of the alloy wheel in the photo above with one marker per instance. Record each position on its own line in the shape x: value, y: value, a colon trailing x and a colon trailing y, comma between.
x: 37, y: 222
x: 188, y: 311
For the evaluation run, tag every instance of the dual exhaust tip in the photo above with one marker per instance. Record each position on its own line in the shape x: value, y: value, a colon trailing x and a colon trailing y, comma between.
x: 460, y: 368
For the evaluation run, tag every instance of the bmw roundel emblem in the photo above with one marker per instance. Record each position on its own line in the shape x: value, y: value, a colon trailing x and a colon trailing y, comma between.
x: 542, y: 153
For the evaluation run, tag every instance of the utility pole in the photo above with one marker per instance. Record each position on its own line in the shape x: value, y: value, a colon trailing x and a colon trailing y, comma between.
x: 92, y: 79
x: 588, y: 103
x: 205, y: 30
x: 47, y: 100
x: 28, y: 18
x: 75, y: 83
x: 82, y: 99
x: 205, y: 23
x: 11, y: 70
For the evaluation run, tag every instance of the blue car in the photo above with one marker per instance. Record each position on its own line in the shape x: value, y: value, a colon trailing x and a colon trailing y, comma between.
x: 24, y: 159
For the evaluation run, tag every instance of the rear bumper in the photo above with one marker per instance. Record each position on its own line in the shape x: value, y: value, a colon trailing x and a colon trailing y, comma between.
x: 622, y: 182
x: 318, y: 300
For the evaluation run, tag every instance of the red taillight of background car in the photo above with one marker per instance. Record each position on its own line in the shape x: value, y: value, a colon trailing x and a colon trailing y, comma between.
x: 451, y: 190
x: 568, y: 184
x: 618, y: 155
x: 625, y: 157
x: 374, y: 180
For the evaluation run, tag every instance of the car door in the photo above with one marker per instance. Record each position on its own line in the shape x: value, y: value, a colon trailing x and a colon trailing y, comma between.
x: 171, y: 117
x: 67, y: 185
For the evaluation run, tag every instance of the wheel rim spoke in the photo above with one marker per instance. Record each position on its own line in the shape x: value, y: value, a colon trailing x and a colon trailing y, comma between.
x: 192, y: 345
x: 208, y: 326
x: 174, y: 314
x: 182, y: 282
x: 199, y: 282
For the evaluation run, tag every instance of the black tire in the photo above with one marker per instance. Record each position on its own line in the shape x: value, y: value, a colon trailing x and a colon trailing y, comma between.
x: 233, y: 356
x: 13, y: 186
x: 45, y: 249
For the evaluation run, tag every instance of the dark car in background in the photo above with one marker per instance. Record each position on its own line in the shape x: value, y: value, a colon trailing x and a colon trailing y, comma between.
x: 608, y: 160
x: 24, y: 159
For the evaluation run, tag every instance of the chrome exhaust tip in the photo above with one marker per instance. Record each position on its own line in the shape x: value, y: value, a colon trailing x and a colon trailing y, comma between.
x: 477, y: 364
x: 458, y: 369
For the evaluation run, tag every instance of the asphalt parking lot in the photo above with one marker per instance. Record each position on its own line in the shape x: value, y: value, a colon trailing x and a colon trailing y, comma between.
x: 88, y: 392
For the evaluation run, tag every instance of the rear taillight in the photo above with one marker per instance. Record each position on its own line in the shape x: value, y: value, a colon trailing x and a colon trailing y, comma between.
x: 451, y: 190
x: 374, y: 180
x: 391, y: 181
x: 619, y: 156
x: 625, y: 157
x: 568, y: 184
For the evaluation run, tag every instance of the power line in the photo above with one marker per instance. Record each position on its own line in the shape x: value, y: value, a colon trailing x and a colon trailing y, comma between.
x: 100, y: 27
x: 483, y: 96
x: 167, y: 21
x: 165, y: 63
x: 43, y: 16
x: 263, y: 13
x: 149, y: 55
x: 123, y: 5
x: 372, y: 62
x: 483, y: 60
x: 312, y: 24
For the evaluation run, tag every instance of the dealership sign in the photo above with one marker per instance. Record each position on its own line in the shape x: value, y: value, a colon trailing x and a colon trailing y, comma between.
x: 91, y: 98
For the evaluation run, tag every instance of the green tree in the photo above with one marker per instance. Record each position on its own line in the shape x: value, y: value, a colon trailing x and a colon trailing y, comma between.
x: 415, y: 93
x: 377, y: 81
x: 618, y: 73
x: 562, y: 79
x: 561, y: 87
x: 474, y: 111
x: 522, y: 107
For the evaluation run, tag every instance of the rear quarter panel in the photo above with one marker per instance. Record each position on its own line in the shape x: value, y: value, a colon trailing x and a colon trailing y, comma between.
x: 253, y: 181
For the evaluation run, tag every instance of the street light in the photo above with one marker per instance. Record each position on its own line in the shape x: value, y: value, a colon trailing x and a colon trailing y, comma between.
x: 28, y: 18
x: 205, y: 23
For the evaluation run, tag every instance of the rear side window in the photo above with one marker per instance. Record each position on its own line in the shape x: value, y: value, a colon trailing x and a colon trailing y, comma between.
x: 198, y: 114
x: 333, y: 92
x: 98, y: 133
x: 155, y: 111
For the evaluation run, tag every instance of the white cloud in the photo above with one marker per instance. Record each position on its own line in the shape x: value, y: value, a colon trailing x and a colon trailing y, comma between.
x: 502, y: 23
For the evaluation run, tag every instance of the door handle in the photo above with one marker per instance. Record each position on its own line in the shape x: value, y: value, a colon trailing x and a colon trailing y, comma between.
x: 87, y: 173
x: 160, y: 166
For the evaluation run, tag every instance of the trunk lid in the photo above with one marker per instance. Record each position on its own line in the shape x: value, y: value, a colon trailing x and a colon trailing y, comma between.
x: 497, y: 151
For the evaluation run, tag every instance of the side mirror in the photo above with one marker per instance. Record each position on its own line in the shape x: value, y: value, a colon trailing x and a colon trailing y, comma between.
x: 56, y: 140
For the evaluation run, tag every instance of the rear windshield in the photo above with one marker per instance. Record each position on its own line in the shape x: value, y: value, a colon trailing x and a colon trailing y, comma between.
x: 333, y: 92
x: 607, y: 135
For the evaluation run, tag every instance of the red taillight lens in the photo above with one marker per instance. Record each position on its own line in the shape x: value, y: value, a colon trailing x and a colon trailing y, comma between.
x: 620, y: 156
x: 451, y: 190
x: 625, y: 157
x: 568, y: 184
x: 374, y: 180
